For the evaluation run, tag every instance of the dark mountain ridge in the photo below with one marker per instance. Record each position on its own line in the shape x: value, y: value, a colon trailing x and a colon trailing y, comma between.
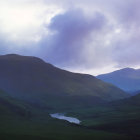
x: 32, y: 79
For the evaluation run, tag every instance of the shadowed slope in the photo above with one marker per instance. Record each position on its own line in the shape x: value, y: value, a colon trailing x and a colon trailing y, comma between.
x: 32, y: 79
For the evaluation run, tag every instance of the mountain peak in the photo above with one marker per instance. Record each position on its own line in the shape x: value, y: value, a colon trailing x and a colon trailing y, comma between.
x: 128, y: 79
x: 18, y: 57
x: 127, y: 69
x: 32, y: 78
x: 12, y: 55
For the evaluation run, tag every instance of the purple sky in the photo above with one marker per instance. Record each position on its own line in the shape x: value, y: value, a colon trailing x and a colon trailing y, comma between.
x: 88, y: 36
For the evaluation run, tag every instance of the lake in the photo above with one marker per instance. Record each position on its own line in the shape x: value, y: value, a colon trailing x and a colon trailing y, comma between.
x: 61, y: 116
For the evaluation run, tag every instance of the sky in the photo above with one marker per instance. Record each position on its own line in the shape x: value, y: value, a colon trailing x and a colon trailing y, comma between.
x: 84, y: 36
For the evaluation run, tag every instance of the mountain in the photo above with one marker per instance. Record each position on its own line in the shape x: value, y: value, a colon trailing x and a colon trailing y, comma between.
x: 127, y: 79
x: 31, y: 79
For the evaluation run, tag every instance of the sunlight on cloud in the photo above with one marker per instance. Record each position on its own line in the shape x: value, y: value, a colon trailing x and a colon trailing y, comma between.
x: 25, y: 22
x: 117, y: 31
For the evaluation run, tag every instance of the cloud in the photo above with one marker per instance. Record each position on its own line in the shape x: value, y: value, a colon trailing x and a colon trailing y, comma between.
x: 73, y: 40
x: 84, y: 35
x: 127, y: 51
x: 23, y: 22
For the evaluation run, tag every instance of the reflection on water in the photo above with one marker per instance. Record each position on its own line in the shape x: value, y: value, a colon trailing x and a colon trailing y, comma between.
x: 63, y: 117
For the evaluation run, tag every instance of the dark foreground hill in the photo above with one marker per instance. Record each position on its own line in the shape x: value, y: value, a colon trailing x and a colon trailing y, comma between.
x: 121, y: 116
x: 33, y: 80
x: 117, y: 121
x: 20, y: 120
x: 11, y: 106
x: 127, y: 79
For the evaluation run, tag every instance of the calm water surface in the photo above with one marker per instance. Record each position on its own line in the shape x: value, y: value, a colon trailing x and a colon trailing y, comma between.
x: 63, y: 117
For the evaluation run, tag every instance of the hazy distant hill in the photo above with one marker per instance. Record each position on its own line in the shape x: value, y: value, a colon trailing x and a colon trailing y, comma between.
x: 127, y: 79
x: 32, y: 79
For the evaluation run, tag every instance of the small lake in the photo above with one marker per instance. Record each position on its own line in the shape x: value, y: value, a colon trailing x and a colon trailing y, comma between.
x: 63, y: 117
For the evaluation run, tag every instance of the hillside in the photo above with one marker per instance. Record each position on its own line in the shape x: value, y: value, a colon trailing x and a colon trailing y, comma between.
x: 12, y: 108
x: 32, y: 79
x: 132, y: 101
x: 122, y: 116
x: 127, y: 79
x: 19, y: 120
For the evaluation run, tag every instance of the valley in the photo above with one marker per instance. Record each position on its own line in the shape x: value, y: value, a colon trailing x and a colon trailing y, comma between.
x: 33, y: 91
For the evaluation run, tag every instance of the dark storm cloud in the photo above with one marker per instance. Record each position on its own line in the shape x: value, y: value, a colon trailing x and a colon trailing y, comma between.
x: 90, y: 34
x: 71, y: 32
x: 129, y: 13
x: 127, y: 52
x: 127, y: 47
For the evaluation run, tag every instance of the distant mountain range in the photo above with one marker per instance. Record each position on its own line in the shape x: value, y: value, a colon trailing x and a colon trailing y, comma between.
x: 127, y: 79
x: 31, y: 79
